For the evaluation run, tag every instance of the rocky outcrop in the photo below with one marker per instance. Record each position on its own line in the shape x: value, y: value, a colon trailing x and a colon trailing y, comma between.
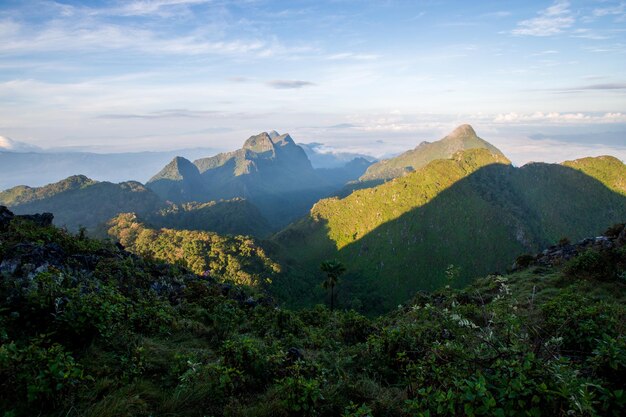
x: 558, y: 254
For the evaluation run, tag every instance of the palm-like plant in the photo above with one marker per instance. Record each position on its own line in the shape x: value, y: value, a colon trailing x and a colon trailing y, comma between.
x: 333, y: 270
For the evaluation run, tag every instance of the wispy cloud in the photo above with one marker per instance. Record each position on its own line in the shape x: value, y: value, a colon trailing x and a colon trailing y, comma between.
x: 145, y: 7
x: 551, y: 21
x: 585, y: 33
x: 618, y: 10
x: 238, y: 79
x: 354, y: 56
x: 559, y: 118
x: 592, y: 87
x: 289, y: 84
x: 163, y: 114
x: 96, y: 36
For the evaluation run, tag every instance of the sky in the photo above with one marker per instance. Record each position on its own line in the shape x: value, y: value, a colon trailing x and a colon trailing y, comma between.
x: 542, y: 80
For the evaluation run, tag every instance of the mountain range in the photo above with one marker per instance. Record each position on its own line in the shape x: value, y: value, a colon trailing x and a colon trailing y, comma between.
x: 469, y: 214
x: 442, y: 213
x: 270, y: 171
x: 254, y: 190
x: 79, y: 201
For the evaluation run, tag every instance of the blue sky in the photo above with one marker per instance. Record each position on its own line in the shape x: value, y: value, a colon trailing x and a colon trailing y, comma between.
x: 543, y: 80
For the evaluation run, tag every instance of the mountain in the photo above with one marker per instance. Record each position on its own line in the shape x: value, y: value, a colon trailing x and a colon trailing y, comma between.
x: 25, y: 164
x: 462, y: 138
x: 470, y: 213
x: 178, y: 181
x: 79, y: 201
x: 270, y: 171
x: 88, y: 328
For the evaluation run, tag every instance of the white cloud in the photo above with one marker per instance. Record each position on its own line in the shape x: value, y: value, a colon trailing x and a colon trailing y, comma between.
x: 549, y: 22
x: 289, y: 84
x: 354, y: 56
x: 145, y: 7
x: 93, y: 36
x: 619, y: 10
x: 560, y: 118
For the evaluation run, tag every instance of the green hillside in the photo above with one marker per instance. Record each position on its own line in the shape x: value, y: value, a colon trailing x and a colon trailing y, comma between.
x: 462, y: 138
x: 79, y: 201
x: 471, y: 214
x: 88, y: 329
x: 238, y: 259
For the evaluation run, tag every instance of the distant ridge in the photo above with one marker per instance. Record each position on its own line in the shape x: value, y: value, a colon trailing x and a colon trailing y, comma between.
x: 462, y: 138
x: 270, y: 171
x: 80, y: 201
x: 474, y: 211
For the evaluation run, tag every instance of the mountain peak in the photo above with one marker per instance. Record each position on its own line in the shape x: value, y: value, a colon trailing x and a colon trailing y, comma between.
x: 273, y: 134
x: 463, y: 131
x: 177, y: 169
x: 259, y: 143
x: 283, y: 140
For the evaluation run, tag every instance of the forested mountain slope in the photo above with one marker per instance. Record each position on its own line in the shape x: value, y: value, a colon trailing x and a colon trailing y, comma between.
x: 89, y: 329
x: 472, y: 213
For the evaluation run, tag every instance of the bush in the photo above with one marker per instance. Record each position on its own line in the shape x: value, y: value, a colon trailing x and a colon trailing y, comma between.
x: 593, y: 265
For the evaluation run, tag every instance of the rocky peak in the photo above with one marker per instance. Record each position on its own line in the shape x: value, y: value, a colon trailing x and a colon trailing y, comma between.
x: 259, y: 143
x: 273, y: 134
x: 283, y: 140
x: 462, y: 132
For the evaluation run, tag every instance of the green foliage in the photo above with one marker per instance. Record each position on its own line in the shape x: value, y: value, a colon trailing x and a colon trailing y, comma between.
x: 299, y: 395
x: 239, y: 259
x: 597, y: 265
x: 333, y: 270
x: 473, y: 211
x: 89, y: 329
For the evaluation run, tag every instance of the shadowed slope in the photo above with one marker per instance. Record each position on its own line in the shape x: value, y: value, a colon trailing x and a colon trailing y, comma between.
x: 473, y: 212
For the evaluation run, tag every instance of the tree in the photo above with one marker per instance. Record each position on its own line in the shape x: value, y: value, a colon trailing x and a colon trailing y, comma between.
x: 333, y: 270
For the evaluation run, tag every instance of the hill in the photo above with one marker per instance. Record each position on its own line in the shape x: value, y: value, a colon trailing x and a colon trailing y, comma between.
x: 87, y: 328
x: 79, y: 201
x: 237, y: 259
x: 270, y: 171
x: 462, y: 138
x: 469, y: 215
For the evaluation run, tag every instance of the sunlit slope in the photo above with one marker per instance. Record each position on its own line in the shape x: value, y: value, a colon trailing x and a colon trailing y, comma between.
x: 474, y: 211
x: 462, y: 138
